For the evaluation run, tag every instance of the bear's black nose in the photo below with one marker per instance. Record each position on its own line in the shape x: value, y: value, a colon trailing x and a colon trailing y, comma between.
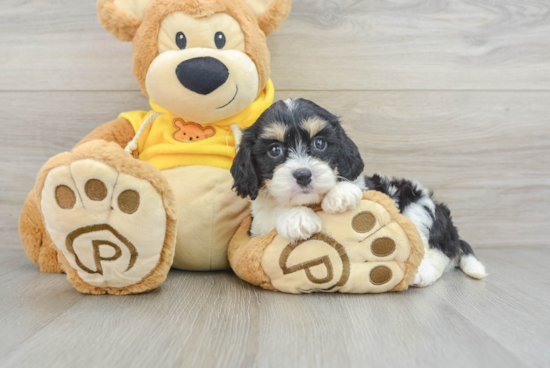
x: 202, y: 75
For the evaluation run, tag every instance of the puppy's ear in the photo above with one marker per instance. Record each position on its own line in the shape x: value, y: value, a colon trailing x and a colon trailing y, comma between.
x: 121, y: 18
x: 270, y: 13
x: 247, y: 179
x: 349, y: 162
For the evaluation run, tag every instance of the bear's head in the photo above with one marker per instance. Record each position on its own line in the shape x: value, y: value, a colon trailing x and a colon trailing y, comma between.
x: 203, y: 60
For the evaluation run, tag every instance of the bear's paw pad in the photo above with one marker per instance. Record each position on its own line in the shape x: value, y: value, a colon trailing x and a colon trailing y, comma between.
x: 360, y: 251
x: 109, y: 226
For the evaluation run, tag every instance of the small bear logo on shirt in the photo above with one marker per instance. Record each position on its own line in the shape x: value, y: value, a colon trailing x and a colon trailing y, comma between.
x: 191, y: 132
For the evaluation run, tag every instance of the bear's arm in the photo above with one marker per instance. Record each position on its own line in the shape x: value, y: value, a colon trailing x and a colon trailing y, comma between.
x: 119, y: 131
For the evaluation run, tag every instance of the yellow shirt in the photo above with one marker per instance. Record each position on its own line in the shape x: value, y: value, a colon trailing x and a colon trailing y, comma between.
x: 171, y: 141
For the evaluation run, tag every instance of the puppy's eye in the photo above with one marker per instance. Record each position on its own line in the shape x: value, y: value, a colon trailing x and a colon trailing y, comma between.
x: 319, y: 144
x: 219, y: 39
x: 275, y: 151
x: 181, y: 40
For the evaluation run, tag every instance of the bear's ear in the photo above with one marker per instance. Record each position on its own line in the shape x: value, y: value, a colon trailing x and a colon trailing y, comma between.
x: 209, y: 132
x: 270, y: 13
x: 178, y: 123
x: 121, y: 17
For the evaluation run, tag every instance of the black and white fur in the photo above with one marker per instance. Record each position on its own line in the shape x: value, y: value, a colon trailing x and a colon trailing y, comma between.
x: 443, y: 247
x: 316, y: 164
x: 297, y: 154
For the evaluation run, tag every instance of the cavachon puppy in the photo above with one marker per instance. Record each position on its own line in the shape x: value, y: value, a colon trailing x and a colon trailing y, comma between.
x: 297, y: 155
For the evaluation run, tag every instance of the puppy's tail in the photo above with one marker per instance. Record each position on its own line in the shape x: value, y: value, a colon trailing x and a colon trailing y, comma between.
x: 468, y: 262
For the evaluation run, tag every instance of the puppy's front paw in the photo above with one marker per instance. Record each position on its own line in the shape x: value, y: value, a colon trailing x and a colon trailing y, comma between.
x: 344, y: 196
x: 299, y: 223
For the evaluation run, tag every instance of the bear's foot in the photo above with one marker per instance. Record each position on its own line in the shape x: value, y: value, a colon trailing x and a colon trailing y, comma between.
x: 370, y: 249
x: 110, y: 216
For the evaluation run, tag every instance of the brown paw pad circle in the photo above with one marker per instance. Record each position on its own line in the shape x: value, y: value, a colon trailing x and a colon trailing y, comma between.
x: 383, y: 247
x: 95, y: 190
x: 380, y: 275
x: 363, y: 222
x: 65, y: 197
x: 128, y: 201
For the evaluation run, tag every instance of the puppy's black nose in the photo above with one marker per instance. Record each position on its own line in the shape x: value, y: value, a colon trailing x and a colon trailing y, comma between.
x: 303, y: 177
x: 202, y: 75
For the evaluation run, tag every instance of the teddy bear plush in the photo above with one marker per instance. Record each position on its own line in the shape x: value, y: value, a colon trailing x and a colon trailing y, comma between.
x: 152, y: 189
x: 115, y: 221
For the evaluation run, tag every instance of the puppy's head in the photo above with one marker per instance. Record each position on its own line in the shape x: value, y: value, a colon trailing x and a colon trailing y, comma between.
x: 296, y: 151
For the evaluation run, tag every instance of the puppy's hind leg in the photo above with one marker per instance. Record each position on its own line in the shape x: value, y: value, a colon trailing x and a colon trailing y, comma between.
x: 432, y: 268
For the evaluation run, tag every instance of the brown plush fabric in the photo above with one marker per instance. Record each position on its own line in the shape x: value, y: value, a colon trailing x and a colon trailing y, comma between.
x: 417, y: 247
x: 36, y: 241
x: 274, y: 16
x: 49, y: 258
x: 245, y: 255
x: 111, y: 155
x: 120, y: 24
x: 119, y: 131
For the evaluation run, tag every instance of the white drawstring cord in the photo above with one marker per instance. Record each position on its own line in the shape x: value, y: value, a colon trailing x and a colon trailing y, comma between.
x: 237, y: 134
x: 132, y: 145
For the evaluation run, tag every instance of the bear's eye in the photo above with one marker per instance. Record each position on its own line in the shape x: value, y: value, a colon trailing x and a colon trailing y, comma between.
x: 181, y: 40
x: 219, y: 39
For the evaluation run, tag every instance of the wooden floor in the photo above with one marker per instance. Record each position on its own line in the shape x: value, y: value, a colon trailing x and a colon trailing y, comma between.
x: 454, y: 93
x: 217, y: 320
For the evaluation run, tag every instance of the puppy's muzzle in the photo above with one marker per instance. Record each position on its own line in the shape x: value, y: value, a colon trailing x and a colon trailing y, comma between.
x: 303, y: 177
x: 202, y: 75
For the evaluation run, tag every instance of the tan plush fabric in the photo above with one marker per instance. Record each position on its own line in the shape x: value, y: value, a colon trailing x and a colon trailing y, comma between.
x: 370, y: 249
x: 146, y: 38
x: 274, y: 16
x: 200, y: 192
x: 417, y: 248
x: 35, y: 239
x: 109, y: 245
x: 139, y: 21
x: 119, y: 23
x: 119, y: 131
x: 245, y: 255
x: 209, y: 213
x: 111, y: 155
x: 144, y: 32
